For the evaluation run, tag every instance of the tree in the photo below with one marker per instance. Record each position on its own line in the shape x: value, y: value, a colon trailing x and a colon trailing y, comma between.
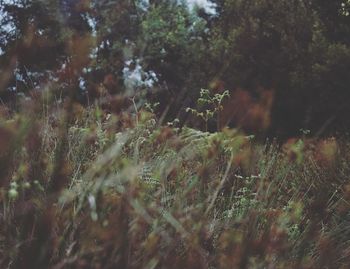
x: 35, y: 40
x: 287, y: 46
x: 175, y: 48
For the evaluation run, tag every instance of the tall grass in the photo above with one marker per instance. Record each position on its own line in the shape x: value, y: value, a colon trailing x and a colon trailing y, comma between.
x: 83, y: 188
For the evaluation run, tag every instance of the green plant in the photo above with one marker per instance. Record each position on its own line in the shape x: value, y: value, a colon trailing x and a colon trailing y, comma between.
x: 209, y: 105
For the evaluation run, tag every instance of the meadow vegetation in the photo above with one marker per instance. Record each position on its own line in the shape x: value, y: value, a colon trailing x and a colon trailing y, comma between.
x: 113, y: 156
x: 85, y: 188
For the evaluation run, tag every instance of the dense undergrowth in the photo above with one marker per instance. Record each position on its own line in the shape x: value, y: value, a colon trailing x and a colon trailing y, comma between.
x: 84, y: 188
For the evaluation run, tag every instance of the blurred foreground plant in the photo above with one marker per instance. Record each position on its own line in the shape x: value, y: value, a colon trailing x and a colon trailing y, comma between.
x: 96, y: 190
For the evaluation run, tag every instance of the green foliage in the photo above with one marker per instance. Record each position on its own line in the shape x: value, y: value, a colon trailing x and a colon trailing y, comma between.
x: 85, y: 47
x: 212, y: 104
x: 99, y: 182
x: 108, y: 185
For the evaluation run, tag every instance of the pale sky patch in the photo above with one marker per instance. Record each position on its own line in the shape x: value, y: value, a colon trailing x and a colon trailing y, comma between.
x: 208, y: 6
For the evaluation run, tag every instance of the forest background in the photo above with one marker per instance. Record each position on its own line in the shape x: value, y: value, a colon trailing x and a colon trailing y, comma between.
x: 285, y: 63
